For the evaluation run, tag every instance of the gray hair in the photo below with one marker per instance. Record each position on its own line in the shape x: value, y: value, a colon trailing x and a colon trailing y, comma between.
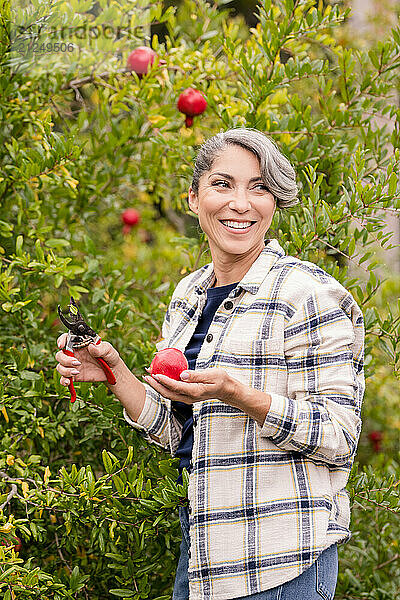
x: 275, y: 169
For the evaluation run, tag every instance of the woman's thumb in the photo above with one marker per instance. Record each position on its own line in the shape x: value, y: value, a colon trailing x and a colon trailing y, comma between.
x: 95, y: 349
x: 106, y: 351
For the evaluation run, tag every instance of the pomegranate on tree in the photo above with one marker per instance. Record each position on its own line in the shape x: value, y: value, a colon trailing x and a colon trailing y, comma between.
x: 376, y: 437
x: 14, y: 541
x: 191, y: 102
x: 130, y: 217
x: 170, y: 362
x: 140, y: 59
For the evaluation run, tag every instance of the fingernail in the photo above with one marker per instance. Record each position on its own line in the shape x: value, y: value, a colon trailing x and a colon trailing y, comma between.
x: 75, y: 372
x: 76, y: 362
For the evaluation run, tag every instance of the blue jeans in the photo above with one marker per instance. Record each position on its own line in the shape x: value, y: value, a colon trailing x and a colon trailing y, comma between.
x: 315, y: 583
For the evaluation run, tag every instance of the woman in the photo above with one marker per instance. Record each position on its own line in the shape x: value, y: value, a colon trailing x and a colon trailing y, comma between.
x: 267, y: 419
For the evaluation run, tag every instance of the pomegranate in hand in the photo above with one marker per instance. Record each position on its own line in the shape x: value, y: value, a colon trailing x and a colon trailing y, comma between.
x: 170, y: 362
x: 191, y: 103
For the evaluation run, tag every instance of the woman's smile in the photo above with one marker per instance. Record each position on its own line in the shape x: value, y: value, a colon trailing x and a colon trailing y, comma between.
x: 237, y: 227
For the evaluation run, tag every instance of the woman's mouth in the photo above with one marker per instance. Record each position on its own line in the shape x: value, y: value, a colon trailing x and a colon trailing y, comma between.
x: 238, y: 227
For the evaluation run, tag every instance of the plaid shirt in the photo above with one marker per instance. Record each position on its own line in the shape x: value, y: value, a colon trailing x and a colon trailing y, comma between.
x: 264, y: 502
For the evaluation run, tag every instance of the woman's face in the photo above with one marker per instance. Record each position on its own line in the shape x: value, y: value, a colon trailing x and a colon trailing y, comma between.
x: 233, y: 191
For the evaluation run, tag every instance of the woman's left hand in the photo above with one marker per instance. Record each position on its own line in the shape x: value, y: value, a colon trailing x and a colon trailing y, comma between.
x: 201, y: 385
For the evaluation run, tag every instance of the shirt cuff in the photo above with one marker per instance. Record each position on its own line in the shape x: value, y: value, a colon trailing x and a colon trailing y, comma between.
x: 153, y: 420
x: 149, y: 414
x: 131, y: 421
x: 281, y: 418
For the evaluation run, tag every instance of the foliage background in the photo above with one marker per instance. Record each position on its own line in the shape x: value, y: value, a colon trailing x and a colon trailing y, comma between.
x: 95, y: 505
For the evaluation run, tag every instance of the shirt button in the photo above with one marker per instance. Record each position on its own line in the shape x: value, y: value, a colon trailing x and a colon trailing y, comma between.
x: 209, y: 337
x: 228, y: 305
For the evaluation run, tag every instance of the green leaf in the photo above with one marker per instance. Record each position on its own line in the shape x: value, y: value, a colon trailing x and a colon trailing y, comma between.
x: 118, y: 484
x: 6, y: 229
x: 19, y: 305
x: 57, y: 243
x: 108, y: 465
x: 90, y: 246
x: 18, y: 245
x: 30, y: 375
x: 77, y: 290
x: 122, y: 593
x: 23, y: 360
x: 98, y: 294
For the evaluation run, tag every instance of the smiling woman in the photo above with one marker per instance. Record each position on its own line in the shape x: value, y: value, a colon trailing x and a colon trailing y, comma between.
x: 267, y: 421
x: 239, y: 179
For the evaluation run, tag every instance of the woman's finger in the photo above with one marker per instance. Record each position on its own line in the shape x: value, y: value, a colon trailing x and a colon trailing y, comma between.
x: 61, y: 340
x: 66, y: 360
x: 67, y: 371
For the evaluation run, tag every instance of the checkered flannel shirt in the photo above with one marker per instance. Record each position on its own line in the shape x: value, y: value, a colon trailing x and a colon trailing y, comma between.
x: 264, y: 502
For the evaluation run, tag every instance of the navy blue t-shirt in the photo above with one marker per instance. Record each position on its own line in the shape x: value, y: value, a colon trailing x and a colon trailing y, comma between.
x: 184, y: 412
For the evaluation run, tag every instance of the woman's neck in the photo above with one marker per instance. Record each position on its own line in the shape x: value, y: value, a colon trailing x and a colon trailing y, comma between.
x: 227, y: 271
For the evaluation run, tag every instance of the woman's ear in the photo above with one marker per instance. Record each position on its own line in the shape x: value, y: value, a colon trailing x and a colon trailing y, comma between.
x: 193, y: 201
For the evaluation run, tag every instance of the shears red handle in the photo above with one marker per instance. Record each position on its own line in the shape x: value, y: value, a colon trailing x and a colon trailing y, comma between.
x: 108, y: 372
x: 80, y: 335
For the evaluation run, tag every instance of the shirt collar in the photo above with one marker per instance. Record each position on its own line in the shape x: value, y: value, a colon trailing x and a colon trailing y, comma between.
x: 252, y: 280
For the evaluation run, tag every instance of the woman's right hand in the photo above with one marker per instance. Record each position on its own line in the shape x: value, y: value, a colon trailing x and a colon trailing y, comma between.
x: 88, y: 369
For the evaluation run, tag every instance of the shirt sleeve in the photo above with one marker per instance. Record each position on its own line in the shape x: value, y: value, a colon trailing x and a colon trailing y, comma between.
x: 154, y: 418
x: 324, y: 354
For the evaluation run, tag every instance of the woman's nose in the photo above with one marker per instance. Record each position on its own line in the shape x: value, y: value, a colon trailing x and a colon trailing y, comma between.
x: 240, y: 201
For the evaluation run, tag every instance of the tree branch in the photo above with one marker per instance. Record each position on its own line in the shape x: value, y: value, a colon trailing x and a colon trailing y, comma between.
x: 12, y: 493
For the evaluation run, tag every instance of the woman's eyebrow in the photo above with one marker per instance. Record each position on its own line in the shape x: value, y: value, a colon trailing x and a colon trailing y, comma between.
x: 231, y: 178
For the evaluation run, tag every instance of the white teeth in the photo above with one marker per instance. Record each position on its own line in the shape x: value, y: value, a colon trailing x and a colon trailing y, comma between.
x: 236, y: 225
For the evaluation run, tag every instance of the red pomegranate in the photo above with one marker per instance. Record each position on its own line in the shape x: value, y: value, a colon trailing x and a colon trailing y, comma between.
x: 130, y: 217
x: 191, y: 102
x: 376, y: 437
x: 18, y: 544
x: 170, y: 362
x: 140, y: 58
x: 4, y: 541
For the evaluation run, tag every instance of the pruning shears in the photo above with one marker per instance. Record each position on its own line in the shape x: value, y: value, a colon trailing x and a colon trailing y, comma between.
x: 81, y: 335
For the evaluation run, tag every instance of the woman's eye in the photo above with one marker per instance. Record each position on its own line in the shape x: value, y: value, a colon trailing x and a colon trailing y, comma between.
x: 220, y: 181
x: 226, y: 183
